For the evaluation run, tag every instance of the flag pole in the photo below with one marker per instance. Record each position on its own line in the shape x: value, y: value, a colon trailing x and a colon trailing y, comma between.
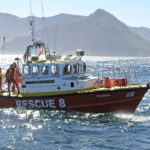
x: 3, y: 48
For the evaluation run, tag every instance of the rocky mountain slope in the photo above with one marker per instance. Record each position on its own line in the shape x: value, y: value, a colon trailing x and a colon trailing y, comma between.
x: 98, y: 34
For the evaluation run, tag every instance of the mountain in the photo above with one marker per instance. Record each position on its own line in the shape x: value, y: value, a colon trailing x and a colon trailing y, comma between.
x: 98, y: 34
x: 142, y: 31
x: 13, y: 27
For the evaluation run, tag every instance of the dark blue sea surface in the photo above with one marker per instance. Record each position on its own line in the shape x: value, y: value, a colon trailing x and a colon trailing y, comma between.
x: 23, y: 129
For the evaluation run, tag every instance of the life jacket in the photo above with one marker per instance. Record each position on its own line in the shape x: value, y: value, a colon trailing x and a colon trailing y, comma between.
x: 15, y: 73
x: 1, y: 75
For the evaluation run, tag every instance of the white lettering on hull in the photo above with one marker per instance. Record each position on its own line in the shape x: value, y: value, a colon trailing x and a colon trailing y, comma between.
x: 51, y: 103
x: 102, y: 95
x: 130, y: 94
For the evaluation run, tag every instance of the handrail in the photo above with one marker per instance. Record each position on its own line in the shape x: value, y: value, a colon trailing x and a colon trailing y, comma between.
x: 127, y: 73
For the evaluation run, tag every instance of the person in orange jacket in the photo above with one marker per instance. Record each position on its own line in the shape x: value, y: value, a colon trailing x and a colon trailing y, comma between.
x: 15, y: 75
x: 1, y: 76
x: 9, y: 77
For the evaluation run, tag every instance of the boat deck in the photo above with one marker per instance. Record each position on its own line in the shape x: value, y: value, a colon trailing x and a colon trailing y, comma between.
x: 115, y: 88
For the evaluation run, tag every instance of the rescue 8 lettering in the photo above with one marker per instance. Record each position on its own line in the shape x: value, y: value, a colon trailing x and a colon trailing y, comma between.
x: 51, y: 103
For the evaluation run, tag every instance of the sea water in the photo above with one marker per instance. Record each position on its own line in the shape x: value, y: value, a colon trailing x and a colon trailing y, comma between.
x: 23, y: 129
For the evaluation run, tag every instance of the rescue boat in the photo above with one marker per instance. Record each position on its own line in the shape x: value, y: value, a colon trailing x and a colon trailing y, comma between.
x: 62, y: 83
x: 50, y: 81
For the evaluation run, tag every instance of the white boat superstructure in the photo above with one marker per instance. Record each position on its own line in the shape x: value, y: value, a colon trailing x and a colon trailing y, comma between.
x: 53, y: 73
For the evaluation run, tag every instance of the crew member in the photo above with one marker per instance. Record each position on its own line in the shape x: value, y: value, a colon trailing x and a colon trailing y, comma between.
x: 9, y: 77
x: 1, y: 76
x: 15, y: 75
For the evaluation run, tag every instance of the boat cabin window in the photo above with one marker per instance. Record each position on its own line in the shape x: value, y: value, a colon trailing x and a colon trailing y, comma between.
x: 77, y: 68
x: 67, y: 69
x: 26, y: 70
x: 54, y: 70
x: 44, y: 70
x: 84, y: 67
x: 35, y: 69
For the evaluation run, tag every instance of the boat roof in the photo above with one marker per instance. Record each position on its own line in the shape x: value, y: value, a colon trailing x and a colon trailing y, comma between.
x: 57, y: 61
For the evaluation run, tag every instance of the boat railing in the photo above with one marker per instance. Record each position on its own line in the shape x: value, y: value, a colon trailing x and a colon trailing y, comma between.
x: 115, y: 73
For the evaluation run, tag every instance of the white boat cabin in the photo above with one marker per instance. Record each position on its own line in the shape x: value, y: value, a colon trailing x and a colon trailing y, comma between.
x: 55, y: 74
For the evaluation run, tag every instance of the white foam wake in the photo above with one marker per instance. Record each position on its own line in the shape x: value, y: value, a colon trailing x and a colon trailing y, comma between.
x: 132, y: 117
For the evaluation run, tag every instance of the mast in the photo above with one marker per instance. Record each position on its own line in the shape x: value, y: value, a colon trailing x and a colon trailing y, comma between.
x: 32, y: 24
x: 38, y: 46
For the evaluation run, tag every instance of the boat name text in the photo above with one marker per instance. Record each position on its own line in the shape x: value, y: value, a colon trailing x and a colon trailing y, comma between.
x: 51, y: 103
x: 130, y: 94
x: 102, y: 95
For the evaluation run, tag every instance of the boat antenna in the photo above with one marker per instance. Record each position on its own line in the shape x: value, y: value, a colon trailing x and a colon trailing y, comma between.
x: 32, y: 24
x: 55, y: 36
x: 43, y: 14
x: 44, y: 23
x: 31, y: 8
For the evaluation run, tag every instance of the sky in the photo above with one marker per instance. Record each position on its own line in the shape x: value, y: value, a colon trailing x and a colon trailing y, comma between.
x: 132, y: 12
